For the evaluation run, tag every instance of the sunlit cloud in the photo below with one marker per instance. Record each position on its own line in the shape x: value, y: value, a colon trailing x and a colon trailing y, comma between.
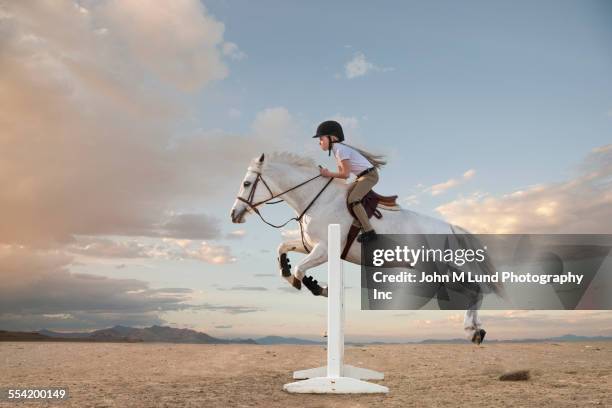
x: 582, y: 204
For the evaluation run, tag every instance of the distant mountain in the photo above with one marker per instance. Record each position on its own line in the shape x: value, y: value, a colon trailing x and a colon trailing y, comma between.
x: 573, y: 337
x: 125, y: 334
x: 268, y: 340
x: 22, y: 336
x: 164, y: 334
x: 271, y: 340
x: 155, y: 334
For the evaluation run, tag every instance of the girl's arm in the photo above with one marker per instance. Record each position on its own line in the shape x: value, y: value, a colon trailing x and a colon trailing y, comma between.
x: 344, y: 170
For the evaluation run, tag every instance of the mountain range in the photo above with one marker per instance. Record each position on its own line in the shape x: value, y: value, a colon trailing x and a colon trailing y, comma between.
x: 151, y: 334
x: 165, y: 334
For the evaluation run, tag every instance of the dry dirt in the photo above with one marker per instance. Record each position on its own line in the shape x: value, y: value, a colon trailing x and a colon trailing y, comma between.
x: 172, y: 375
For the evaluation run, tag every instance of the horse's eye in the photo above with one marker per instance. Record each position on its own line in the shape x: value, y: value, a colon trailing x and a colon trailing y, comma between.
x: 246, y: 183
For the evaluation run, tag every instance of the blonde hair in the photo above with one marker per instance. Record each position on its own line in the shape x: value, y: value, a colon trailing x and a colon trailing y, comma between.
x: 376, y: 160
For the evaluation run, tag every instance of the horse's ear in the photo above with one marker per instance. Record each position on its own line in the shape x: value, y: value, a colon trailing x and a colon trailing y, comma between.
x: 261, y: 159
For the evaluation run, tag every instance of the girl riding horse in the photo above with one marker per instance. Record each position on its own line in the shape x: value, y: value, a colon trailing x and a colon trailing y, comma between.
x: 362, y: 164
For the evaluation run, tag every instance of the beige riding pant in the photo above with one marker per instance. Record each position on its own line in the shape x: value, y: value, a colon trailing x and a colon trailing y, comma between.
x: 360, y: 188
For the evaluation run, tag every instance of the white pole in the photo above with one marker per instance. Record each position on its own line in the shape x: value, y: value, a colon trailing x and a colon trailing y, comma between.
x: 336, y: 378
x: 335, y: 304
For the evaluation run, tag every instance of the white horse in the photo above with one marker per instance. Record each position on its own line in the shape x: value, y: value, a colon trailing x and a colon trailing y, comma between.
x: 295, y: 180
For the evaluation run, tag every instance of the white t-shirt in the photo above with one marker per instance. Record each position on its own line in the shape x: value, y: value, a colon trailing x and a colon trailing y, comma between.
x: 357, y: 161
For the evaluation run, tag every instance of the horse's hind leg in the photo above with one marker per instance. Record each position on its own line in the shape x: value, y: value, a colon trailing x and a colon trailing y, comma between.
x: 472, y: 326
x: 283, y: 260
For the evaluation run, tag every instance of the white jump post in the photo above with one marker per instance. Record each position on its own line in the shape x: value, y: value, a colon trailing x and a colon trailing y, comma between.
x: 336, y: 377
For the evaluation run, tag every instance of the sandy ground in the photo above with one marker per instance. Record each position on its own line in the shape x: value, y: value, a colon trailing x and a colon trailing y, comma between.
x: 169, y: 375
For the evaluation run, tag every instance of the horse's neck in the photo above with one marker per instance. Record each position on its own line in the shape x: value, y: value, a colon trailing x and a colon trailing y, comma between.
x: 284, y: 177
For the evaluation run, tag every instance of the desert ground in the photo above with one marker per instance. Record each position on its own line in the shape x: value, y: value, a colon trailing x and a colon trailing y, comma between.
x: 190, y: 375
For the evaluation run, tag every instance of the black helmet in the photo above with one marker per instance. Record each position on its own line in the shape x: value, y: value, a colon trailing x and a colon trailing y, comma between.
x: 330, y: 127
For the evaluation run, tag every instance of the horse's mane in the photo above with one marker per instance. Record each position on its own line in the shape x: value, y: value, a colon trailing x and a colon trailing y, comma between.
x: 291, y: 159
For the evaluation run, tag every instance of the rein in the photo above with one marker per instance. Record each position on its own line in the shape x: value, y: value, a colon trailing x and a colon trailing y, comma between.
x: 253, y: 206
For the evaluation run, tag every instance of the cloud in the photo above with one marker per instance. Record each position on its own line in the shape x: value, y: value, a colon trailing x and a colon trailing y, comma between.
x: 199, y: 250
x: 91, y: 93
x: 169, y: 248
x: 231, y: 50
x: 440, y: 188
x: 469, y: 174
x: 350, y: 123
x: 93, y: 96
x: 241, y: 288
x: 359, y: 66
x: 107, y: 248
x: 437, y: 189
x: 178, y: 229
x: 274, y: 123
x: 582, y: 204
x: 237, y: 234
x: 38, y: 288
x: 231, y: 309
x: 412, y: 200
x: 39, y: 291
x: 177, y: 41
x: 212, y: 254
x: 190, y: 226
x: 273, y: 129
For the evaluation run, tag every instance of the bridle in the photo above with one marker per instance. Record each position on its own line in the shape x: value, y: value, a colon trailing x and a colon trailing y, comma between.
x: 253, y: 206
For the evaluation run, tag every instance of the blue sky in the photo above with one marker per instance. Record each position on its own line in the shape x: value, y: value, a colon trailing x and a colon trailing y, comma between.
x: 519, y: 92
x: 492, y: 114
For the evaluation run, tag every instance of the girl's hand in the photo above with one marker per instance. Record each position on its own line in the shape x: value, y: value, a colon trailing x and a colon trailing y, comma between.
x: 324, y: 172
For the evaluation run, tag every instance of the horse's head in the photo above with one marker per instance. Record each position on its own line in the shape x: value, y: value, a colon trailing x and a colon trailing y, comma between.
x: 252, y: 191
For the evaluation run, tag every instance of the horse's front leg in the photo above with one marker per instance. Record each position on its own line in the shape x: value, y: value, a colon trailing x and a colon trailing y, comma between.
x: 316, y: 257
x: 283, y: 260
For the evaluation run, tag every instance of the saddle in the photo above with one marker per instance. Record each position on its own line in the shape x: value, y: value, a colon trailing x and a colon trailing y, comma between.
x: 371, y: 202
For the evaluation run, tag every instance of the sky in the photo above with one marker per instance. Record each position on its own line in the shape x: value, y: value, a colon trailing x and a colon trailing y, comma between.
x: 127, y: 127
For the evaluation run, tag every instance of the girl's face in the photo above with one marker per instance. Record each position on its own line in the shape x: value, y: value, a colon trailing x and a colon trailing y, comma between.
x: 324, y: 143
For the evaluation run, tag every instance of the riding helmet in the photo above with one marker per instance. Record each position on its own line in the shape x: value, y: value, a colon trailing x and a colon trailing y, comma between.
x: 330, y: 127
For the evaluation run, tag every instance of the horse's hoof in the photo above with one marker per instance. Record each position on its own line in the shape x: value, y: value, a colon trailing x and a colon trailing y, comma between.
x: 312, y: 285
x: 478, y: 336
x: 285, y: 265
x: 295, y: 282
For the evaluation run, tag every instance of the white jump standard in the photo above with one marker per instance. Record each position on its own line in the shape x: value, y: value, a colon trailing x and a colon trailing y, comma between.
x: 336, y: 377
